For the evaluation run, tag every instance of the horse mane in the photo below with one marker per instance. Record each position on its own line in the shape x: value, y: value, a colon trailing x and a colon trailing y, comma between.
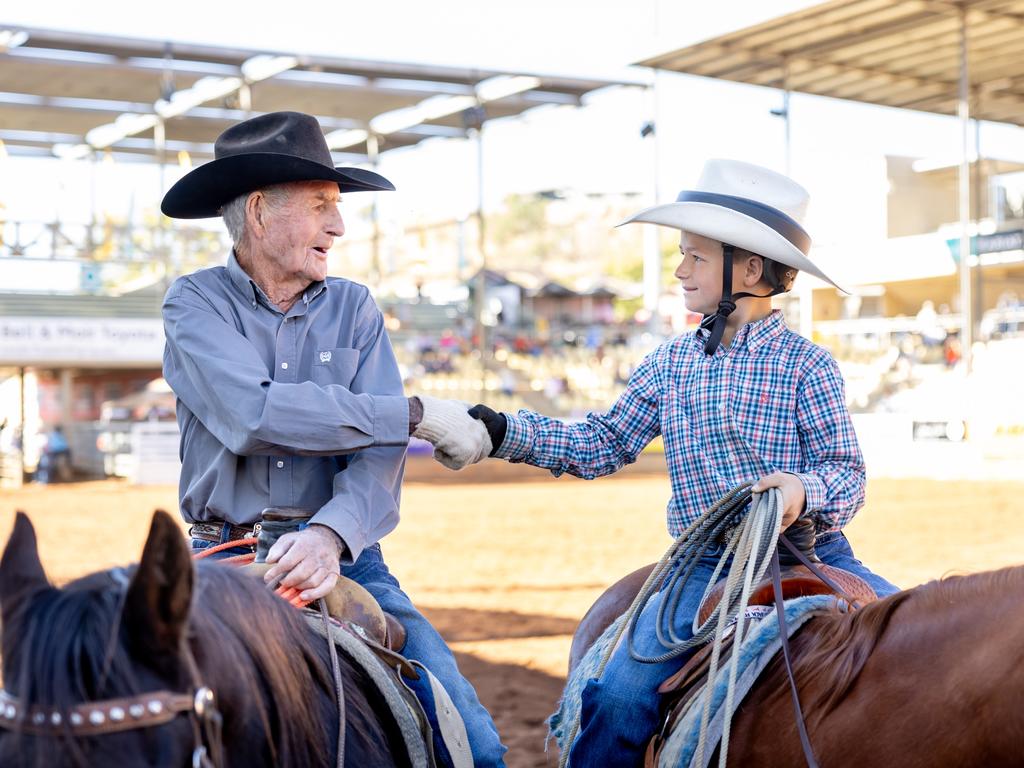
x: 269, y: 670
x: 832, y: 657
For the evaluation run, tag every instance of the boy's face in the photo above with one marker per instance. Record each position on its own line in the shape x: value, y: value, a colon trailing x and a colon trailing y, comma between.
x: 700, y: 272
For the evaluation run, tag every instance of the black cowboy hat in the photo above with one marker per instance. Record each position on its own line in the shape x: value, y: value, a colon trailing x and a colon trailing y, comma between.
x: 270, y: 149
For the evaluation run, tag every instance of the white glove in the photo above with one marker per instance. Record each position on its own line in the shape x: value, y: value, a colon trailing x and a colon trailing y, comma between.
x: 458, y: 439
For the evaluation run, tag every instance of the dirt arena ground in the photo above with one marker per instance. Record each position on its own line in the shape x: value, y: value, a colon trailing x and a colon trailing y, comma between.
x: 504, y: 560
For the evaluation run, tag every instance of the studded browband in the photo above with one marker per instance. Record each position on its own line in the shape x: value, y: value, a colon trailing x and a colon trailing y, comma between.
x: 101, y: 717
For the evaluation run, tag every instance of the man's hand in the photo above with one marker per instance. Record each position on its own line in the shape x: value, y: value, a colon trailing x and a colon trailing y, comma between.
x: 496, y: 423
x: 458, y: 439
x: 793, y: 496
x: 311, y: 560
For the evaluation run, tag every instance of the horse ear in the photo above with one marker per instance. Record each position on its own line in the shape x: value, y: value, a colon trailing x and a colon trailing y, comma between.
x: 21, y: 572
x: 157, y: 604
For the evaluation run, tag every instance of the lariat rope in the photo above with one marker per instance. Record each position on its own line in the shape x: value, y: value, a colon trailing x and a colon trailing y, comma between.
x: 750, y: 538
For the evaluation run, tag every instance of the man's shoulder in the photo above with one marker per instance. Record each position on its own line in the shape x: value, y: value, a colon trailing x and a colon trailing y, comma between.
x: 203, y: 281
x: 342, y: 287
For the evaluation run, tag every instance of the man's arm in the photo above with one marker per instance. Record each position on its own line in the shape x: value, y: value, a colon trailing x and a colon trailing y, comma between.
x: 834, y: 479
x: 222, y: 379
x: 364, y: 507
x: 600, y: 445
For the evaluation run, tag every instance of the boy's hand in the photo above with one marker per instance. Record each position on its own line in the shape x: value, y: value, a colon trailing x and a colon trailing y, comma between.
x: 793, y: 496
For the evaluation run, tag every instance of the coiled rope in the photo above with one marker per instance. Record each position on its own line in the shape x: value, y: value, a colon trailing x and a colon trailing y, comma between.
x: 749, y: 538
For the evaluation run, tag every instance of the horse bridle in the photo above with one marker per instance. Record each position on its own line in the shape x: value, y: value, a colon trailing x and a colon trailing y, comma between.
x: 98, y: 718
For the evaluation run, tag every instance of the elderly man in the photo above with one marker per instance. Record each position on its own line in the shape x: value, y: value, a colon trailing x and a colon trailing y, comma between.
x: 288, y: 391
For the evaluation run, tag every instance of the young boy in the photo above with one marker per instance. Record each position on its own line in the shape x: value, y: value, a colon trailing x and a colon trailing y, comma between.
x: 742, y: 398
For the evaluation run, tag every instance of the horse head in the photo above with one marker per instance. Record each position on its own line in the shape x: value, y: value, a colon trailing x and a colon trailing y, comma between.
x: 163, y: 631
x: 113, y: 636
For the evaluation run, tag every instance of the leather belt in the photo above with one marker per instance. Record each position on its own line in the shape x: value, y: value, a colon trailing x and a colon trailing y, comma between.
x: 214, y: 531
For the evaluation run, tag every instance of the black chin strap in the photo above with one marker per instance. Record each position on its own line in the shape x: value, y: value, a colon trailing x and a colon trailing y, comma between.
x: 715, y: 324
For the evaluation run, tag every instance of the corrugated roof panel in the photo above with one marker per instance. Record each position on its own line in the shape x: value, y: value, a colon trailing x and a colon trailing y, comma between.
x: 904, y: 54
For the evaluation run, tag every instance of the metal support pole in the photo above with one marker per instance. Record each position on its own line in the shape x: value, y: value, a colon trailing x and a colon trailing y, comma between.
x: 979, y: 307
x: 245, y: 98
x: 160, y: 144
x: 964, y: 113
x: 480, y: 289
x: 652, y: 235
x: 22, y: 411
x: 805, y: 290
x: 373, y: 153
x: 67, y: 383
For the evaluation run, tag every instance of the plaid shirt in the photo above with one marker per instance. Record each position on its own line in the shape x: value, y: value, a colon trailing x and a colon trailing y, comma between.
x: 771, y: 401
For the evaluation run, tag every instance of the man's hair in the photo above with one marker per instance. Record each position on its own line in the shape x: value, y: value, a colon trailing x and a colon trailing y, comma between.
x: 233, y: 211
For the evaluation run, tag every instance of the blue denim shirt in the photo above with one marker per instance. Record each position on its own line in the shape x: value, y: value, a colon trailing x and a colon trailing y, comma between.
x: 302, y: 408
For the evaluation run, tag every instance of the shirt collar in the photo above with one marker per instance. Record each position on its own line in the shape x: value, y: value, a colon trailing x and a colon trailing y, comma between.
x: 754, y: 335
x: 251, y: 291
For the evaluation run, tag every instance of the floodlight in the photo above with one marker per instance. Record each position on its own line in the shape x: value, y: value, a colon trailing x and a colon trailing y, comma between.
x: 125, y: 125
x: 441, y: 106
x: 71, y: 151
x: 346, y: 137
x: 265, y: 66
x: 11, y: 38
x: 429, y: 109
x: 503, y: 86
x: 204, y: 89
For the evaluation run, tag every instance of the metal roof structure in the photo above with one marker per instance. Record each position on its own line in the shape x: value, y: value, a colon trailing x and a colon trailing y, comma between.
x: 71, y: 94
x: 900, y: 54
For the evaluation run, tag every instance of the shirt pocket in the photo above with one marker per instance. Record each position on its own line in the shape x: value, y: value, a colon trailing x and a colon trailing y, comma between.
x: 335, y: 366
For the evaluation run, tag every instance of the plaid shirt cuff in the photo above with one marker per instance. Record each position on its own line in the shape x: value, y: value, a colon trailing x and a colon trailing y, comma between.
x: 518, y: 438
x: 814, y: 490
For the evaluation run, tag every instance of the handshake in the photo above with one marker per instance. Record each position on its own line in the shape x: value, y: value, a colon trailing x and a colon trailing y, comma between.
x: 460, y: 435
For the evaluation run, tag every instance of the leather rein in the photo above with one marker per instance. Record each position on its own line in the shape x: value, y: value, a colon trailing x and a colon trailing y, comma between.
x: 780, y: 613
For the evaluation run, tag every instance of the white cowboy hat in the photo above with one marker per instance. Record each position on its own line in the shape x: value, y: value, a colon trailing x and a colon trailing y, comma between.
x: 746, y: 206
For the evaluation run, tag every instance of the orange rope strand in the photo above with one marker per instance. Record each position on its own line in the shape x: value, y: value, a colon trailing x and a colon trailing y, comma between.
x: 288, y: 594
x: 250, y: 542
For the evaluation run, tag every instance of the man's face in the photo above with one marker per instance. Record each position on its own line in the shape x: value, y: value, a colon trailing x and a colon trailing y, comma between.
x: 300, y: 229
x: 700, y: 272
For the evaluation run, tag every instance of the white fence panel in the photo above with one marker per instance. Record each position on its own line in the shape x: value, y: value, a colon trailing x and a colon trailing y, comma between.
x: 155, y: 453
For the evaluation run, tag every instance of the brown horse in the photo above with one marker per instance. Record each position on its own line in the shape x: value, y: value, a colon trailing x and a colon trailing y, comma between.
x: 931, y: 676
x: 118, y: 636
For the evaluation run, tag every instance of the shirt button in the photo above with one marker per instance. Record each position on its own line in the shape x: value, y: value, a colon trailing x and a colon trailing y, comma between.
x: 285, y: 366
x: 280, y: 465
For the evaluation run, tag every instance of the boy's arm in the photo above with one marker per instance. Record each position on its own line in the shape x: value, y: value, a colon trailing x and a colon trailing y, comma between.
x: 834, y: 478
x: 601, y: 444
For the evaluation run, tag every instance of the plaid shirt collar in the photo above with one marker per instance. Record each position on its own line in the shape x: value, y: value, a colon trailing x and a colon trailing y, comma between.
x: 753, y: 335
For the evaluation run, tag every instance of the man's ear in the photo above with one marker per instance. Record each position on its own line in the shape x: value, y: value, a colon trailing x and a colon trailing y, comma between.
x: 256, y: 214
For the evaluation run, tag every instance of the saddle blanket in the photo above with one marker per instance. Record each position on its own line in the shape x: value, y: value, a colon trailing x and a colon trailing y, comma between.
x: 761, y: 644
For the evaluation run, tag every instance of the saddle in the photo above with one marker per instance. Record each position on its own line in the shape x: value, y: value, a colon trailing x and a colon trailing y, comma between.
x: 374, y: 639
x: 348, y: 601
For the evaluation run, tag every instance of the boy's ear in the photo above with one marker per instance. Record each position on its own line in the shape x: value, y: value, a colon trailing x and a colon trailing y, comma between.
x: 753, y: 269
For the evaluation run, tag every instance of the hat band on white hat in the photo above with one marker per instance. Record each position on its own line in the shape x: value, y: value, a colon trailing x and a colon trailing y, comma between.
x: 770, y: 217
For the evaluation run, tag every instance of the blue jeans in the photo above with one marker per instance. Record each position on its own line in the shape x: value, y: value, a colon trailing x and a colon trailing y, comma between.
x: 620, y: 712
x: 424, y: 644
